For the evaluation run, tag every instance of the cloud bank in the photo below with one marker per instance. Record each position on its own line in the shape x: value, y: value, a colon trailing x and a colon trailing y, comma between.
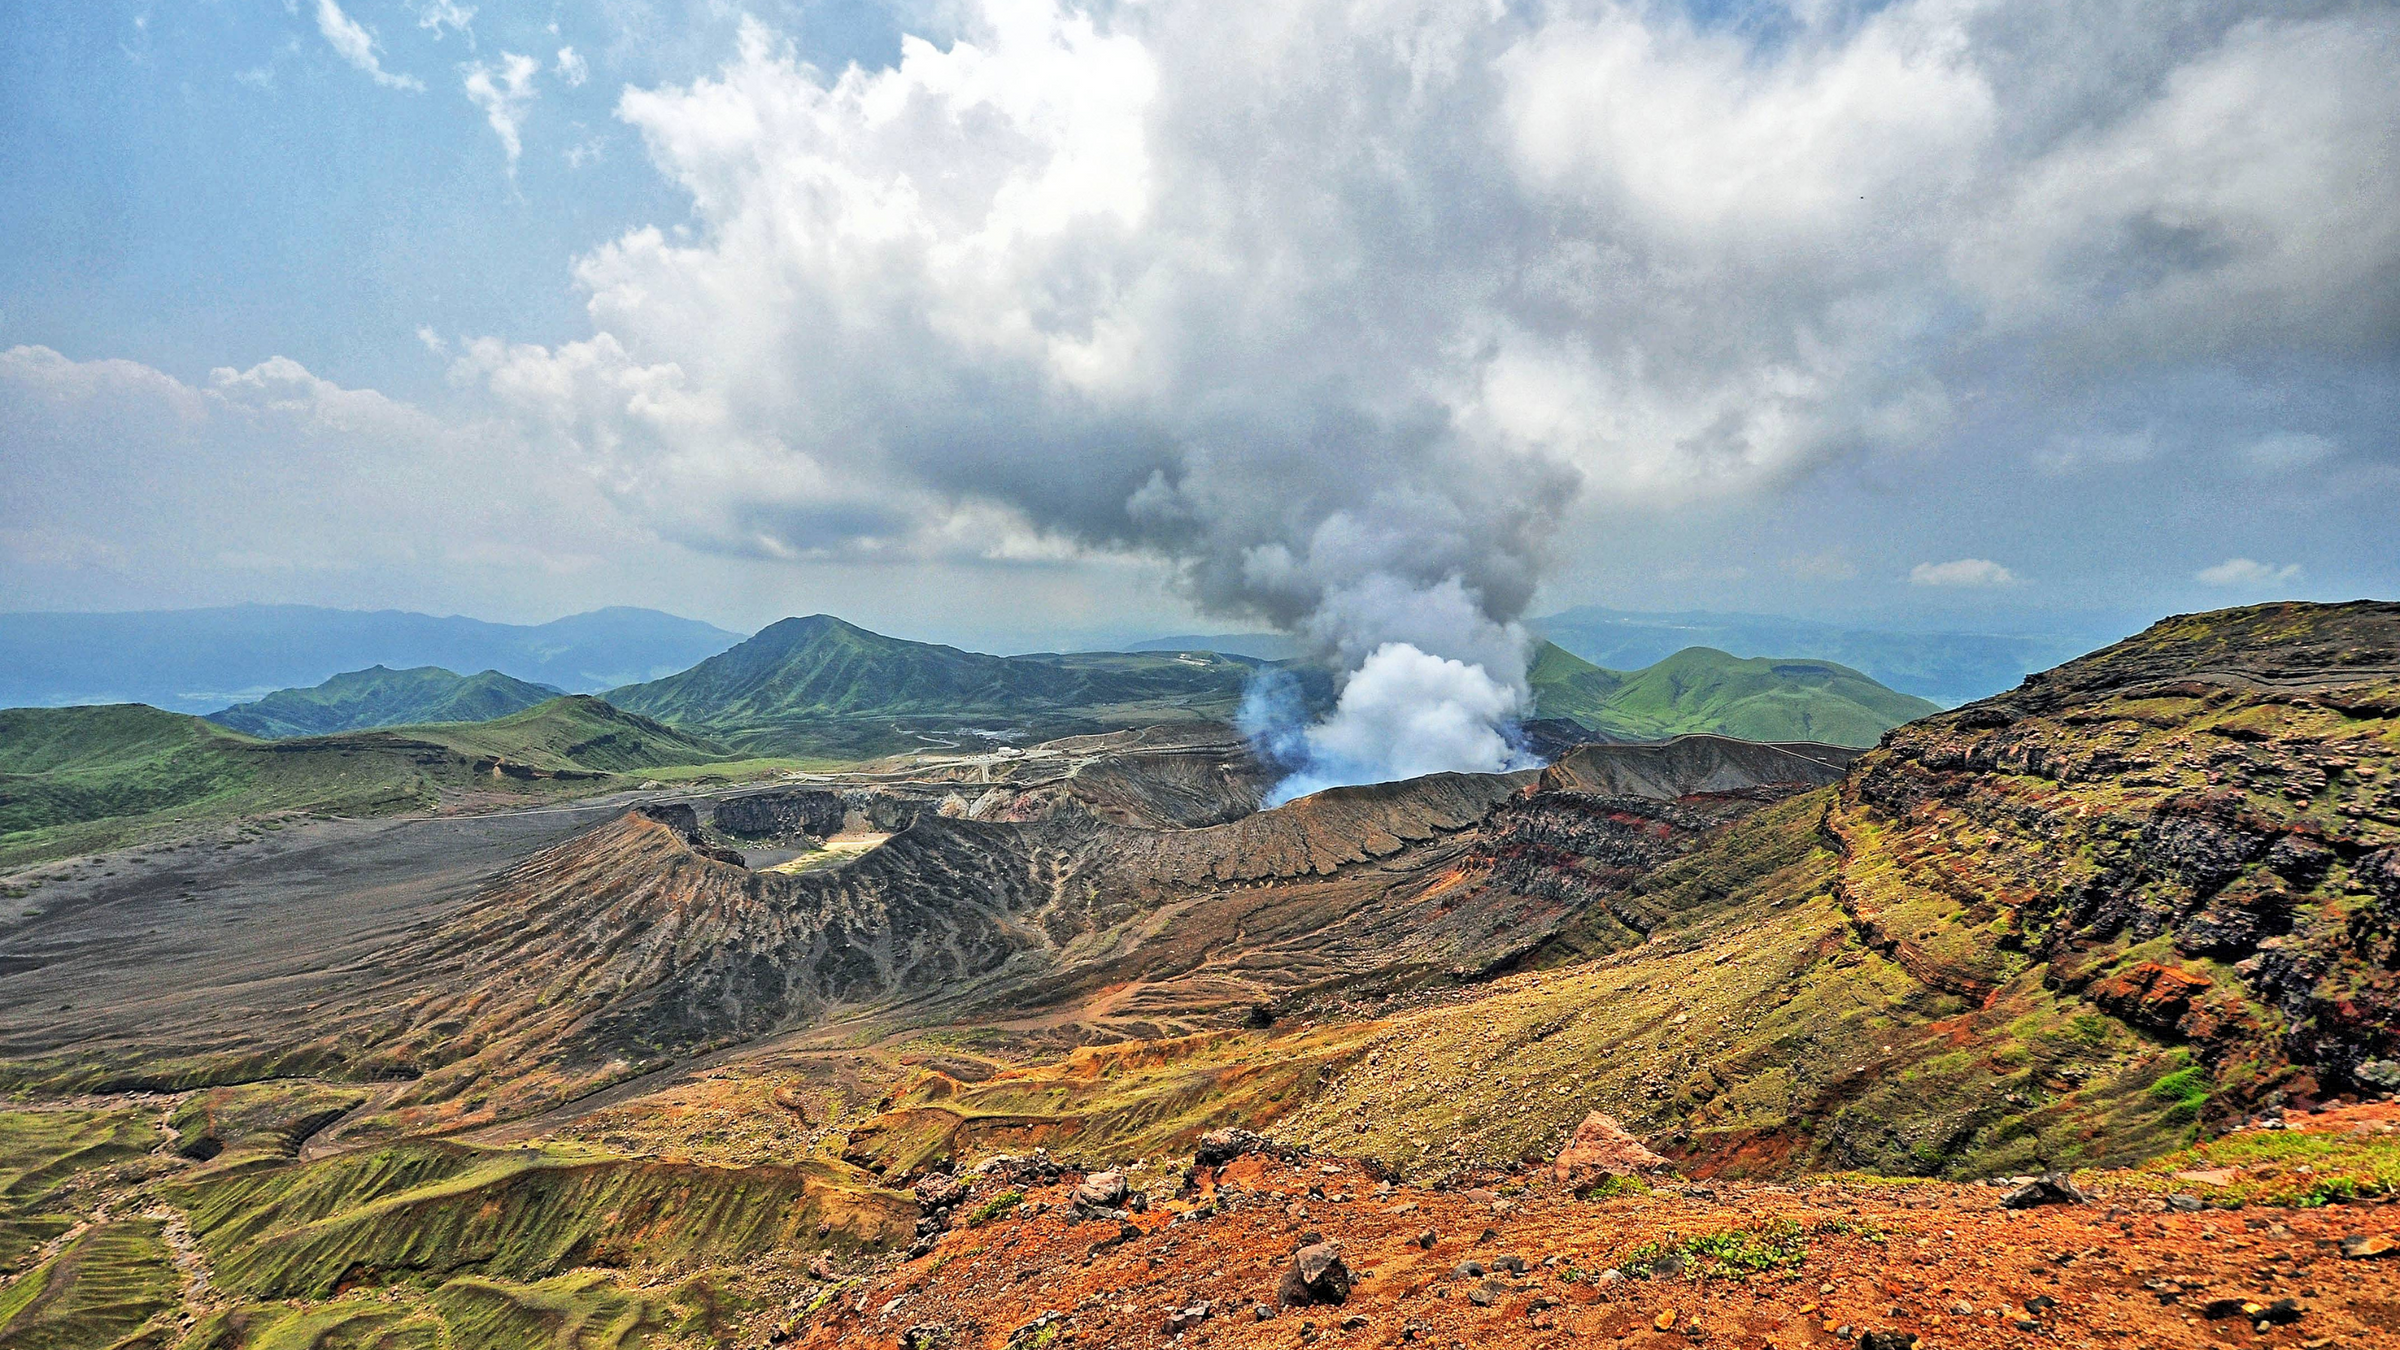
x: 1355, y: 316
x: 1340, y: 307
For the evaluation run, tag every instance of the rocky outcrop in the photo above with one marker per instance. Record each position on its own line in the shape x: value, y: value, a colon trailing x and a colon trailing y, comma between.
x: 1691, y: 765
x: 2051, y: 1188
x: 2225, y: 782
x: 792, y: 812
x: 1583, y: 850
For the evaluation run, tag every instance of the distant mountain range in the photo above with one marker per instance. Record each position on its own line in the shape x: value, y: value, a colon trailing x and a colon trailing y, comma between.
x: 1703, y: 690
x: 1260, y: 646
x: 1949, y: 668
x: 201, y: 660
x: 382, y: 697
x: 821, y: 686
x: 825, y: 688
x: 379, y: 739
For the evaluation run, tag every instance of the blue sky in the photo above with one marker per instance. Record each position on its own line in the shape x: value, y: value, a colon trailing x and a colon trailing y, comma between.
x: 207, y: 183
x: 1073, y: 320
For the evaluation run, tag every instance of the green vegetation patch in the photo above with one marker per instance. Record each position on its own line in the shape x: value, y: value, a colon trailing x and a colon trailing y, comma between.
x: 351, y: 1324
x: 821, y: 687
x: 2183, y: 1092
x: 419, y: 1210
x: 995, y: 1207
x: 41, y: 1151
x: 78, y: 780
x: 1735, y: 1253
x: 585, y: 1310
x: 2298, y: 1168
x: 1700, y: 689
x: 381, y: 697
x: 99, y: 1289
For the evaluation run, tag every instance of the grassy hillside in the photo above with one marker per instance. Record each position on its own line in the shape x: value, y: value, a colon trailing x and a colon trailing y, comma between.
x: 1951, y: 668
x: 820, y: 684
x: 1701, y: 690
x: 379, y: 696
x: 77, y: 779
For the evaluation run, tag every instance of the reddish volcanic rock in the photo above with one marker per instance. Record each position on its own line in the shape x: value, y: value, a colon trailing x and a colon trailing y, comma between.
x: 2150, y: 994
x: 1601, y: 1147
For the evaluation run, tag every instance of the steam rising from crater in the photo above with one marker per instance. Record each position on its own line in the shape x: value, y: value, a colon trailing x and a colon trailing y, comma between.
x: 1403, y: 713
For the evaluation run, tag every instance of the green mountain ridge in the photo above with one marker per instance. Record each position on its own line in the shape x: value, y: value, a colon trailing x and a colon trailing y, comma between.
x: 79, y: 779
x: 379, y: 696
x: 1948, y: 667
x: 820, y: 684
x: 378, y: 740
x: 1701, y: 689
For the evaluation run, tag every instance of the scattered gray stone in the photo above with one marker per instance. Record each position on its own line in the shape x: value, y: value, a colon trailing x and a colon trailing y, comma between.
x: 2052, y: 1188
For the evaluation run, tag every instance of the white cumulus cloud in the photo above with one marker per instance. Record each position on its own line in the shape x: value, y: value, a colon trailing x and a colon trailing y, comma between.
x: 266, y: 468
x: 354, y: 44
x: 571, y: 66
x: 1962, y: 572
x: 2247, y: 573
x: 504, y: 92
x: 435, y: 15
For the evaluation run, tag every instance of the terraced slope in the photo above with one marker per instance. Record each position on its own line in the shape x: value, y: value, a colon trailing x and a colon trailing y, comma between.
x: 381, y: 697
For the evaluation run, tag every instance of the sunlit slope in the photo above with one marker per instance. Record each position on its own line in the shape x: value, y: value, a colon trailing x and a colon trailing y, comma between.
x: 2139, y: 897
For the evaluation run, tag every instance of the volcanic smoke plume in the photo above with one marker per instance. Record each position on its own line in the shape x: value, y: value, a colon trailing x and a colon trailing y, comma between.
x: 1430, y: 680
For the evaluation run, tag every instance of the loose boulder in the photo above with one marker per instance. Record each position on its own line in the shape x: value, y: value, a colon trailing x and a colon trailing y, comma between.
x: 1102, y: 1190
x: 2051, y: 1188
x: 1602, y: 1148
x: 1219, y: 1147
x: 1316, y: 1275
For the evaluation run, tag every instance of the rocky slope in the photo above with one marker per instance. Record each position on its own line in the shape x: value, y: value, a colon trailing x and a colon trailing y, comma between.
x: 1212, y: 1260
x: 2132, y: 919
x: 1026, y: 889
x: 2198, y: 830
x: 2144, y: 894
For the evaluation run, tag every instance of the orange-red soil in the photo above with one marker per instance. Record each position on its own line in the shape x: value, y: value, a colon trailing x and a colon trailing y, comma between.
x: 1939, y: 1260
